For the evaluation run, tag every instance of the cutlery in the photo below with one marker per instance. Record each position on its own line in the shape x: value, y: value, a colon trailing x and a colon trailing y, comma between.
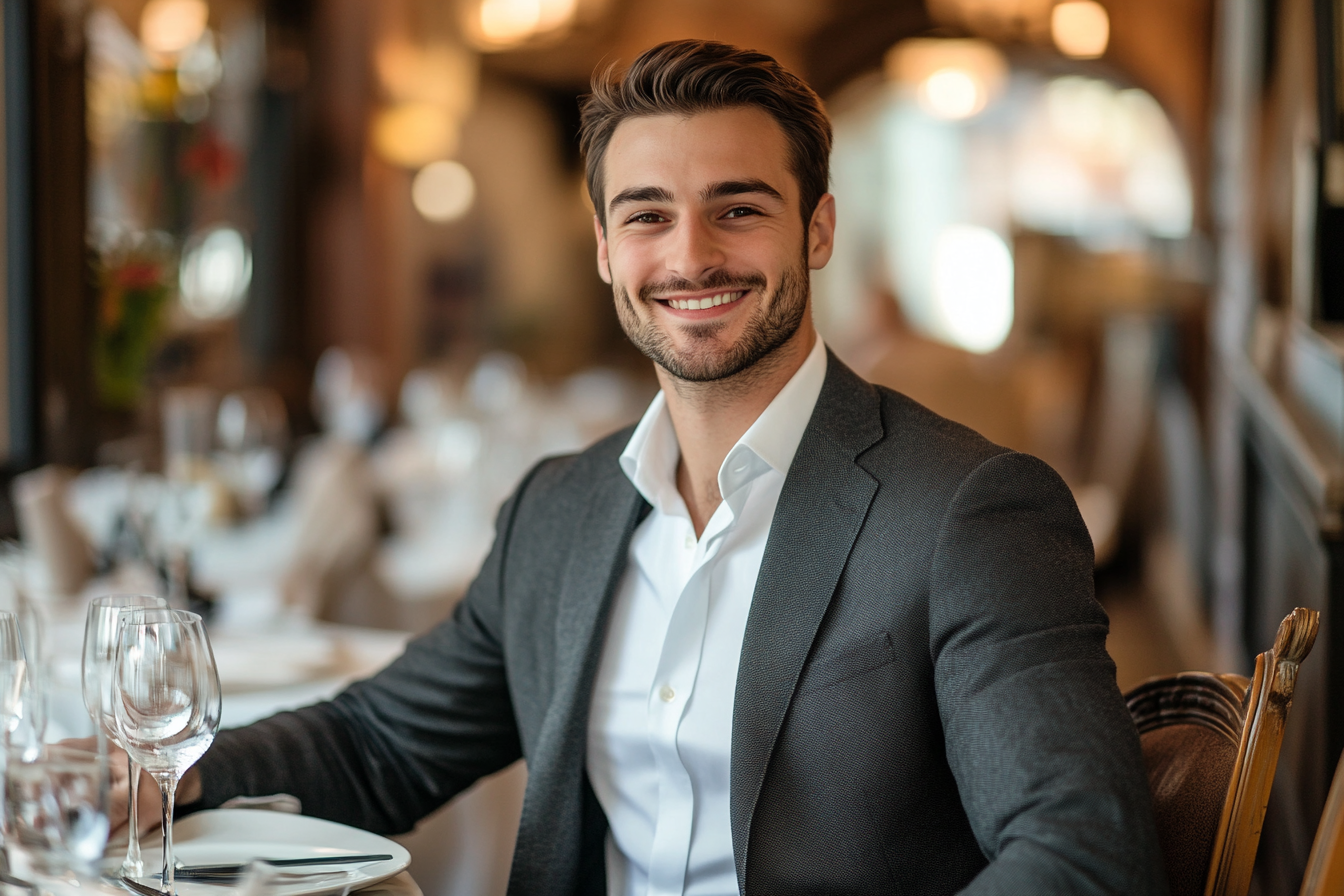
x: 140, y: 888
x: 202, y: 870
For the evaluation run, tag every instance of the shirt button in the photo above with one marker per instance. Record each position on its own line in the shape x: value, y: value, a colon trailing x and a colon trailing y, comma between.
x: 666, y: 694
x: 690, y: 540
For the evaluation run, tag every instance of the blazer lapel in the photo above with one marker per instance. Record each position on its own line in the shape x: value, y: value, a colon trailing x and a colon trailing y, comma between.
x: 553, y: 805
x: 821, y: 510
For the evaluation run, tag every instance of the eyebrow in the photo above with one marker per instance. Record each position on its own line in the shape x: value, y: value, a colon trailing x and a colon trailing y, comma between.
x: 738, y: 188
x: 713, y: 191
x: 640, y: 194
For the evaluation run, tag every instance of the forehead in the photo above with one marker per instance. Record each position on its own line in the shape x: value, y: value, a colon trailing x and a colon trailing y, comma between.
x: 691, y: 150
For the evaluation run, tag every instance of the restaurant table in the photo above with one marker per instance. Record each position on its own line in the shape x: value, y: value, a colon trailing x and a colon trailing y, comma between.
x: 464, y: 849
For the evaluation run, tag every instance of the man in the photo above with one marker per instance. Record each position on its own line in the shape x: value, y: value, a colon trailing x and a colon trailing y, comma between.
x: 793, y: 634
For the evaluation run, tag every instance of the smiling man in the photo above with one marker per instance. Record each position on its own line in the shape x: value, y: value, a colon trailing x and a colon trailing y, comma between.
x: 793, y: 633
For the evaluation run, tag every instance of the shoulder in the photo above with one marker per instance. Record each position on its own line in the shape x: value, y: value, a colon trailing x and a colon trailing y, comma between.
x: 922, y: 448
x: 925, y: 464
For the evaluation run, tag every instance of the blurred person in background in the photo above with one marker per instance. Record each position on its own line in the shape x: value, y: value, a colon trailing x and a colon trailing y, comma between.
x: 793, y: 633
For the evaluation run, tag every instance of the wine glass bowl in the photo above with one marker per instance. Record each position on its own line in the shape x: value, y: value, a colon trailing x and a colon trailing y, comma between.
x: 100, y: 650
x: 166, y: 701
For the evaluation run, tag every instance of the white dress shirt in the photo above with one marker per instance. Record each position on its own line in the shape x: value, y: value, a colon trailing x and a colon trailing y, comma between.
x: 660, y: 727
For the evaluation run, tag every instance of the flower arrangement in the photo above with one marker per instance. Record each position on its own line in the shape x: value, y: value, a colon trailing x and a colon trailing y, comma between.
x: 133, y: 285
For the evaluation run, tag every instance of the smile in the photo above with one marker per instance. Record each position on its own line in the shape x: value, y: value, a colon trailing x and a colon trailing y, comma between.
x: 723, y: 298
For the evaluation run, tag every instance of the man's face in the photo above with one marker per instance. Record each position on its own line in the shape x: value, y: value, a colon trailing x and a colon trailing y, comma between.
x: 702, y: 210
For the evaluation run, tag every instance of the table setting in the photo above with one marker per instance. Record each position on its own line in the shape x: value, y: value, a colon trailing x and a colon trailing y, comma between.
x: 151, y: 687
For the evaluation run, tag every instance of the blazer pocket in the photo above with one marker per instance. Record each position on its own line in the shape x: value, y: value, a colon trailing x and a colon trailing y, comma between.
x: 850, y: 662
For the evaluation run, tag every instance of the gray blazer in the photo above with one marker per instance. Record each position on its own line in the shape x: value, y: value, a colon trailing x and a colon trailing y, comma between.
x: 924, y: 705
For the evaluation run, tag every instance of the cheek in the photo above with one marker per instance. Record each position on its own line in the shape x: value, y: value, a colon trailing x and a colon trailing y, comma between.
x: 631, y: 260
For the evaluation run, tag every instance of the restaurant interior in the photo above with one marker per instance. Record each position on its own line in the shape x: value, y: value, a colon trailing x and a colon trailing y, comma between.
x: 295, y: 291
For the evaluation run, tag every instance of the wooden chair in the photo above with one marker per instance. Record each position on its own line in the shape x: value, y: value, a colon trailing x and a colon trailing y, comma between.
x: 1325, y: 865
x: 1211, y: 744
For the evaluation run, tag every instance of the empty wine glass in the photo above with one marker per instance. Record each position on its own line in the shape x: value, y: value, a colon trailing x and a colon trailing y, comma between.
x: 56, y: 819
x: 12, y: 663
x: 100, y: 649
x: 166, y: 700
x: 23, y: 715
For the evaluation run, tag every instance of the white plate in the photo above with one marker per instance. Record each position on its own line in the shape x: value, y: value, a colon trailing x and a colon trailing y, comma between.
x: 228, y: 836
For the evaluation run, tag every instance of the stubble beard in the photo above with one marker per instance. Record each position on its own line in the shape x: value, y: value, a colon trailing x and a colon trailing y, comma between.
x: 774, y: 323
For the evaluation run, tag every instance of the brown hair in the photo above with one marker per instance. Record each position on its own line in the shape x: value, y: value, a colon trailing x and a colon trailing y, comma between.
x: 685, y: 77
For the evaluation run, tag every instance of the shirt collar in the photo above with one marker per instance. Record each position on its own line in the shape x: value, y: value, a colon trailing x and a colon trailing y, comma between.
x: 650, y: 458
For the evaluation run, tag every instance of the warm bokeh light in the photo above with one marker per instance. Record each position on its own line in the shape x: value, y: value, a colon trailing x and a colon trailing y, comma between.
x: 1080, y: 28
x: 414, y: 134
x: 973, y: 287
x: 509, y: 20
x: 953, y: 93
x: 215, y: 273
x: 443, y: 191
x: 167, y: 27
x: 500, y: 24
x: 556, y: 13
x: 953, y: 79
x: 438, y: 72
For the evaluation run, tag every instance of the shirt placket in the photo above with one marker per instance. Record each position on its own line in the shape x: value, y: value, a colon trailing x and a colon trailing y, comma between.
x: 673, y: 686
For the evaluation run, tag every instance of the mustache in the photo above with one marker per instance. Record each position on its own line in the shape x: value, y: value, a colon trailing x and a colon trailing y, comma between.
x: 723, y: 281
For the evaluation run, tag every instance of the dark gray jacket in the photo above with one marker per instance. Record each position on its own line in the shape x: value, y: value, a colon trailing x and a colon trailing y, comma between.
x: 924, y: 705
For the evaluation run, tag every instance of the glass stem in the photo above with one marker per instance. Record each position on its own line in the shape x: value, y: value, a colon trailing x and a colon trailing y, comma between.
x: 168, y: 788
x: 134, y: 866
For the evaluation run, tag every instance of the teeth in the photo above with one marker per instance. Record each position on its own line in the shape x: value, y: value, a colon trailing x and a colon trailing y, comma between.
x: 710, y: 302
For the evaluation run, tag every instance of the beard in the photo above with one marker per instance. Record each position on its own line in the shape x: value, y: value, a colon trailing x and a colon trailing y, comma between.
x: 703, y: 361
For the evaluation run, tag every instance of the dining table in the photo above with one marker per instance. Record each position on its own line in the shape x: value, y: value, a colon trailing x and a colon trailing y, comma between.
x: 286, y: 663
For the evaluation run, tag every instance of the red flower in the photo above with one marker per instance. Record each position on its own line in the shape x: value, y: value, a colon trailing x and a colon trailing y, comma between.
x: 211, y: 159
x: 138, y: 275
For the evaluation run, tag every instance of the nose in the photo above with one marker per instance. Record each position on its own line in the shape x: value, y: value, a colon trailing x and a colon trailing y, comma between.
x: 694, y: 250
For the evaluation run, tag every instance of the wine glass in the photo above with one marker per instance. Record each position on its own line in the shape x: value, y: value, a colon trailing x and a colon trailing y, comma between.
x: 23, y: 715
x: 12, y: 665
x: 100, y: 648
x: 56, y: 816
x: 166, y: 701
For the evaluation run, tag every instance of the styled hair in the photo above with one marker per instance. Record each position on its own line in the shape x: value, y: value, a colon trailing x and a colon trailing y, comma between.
x: 686, y: 77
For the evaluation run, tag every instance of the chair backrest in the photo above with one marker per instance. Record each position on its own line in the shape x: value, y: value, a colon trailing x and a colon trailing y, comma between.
x: 1211, y: 744
x: 1325, y: 865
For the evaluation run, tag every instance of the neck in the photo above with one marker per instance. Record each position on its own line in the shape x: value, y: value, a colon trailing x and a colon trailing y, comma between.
x: 709, y: 418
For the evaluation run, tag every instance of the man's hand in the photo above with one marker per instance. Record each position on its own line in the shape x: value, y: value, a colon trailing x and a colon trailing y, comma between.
x: 151, y: 805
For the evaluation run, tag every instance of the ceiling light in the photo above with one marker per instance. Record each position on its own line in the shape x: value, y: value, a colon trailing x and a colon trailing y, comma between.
x: 953, y: 79
x: 953, y: 93
x: 505, y: 21
x: 443, y: 191
x: 1080, y: 28
x: 502, y: 24
x: 167, y: 27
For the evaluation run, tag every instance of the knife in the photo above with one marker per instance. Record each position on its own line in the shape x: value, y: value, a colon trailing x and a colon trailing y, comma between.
x: 233, y: 870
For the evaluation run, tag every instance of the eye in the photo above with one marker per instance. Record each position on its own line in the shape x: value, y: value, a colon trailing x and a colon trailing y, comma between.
x: 741, y: 211
x: 647, y: 218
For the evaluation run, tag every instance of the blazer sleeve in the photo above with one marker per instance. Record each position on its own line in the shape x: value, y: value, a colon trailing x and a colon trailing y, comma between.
x: 1044, y: 752
x: 392, y: 748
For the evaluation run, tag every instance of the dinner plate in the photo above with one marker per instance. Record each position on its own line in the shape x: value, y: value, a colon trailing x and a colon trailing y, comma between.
x: 261, y: 660
x: 228, y: 836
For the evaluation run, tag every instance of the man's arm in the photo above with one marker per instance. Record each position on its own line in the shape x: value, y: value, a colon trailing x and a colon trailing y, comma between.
x: 392, y: 748
x: 1043, y: 749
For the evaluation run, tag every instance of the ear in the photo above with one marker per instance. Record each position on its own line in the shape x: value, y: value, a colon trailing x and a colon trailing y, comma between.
x: 821, y: 233
x: 603, y: 264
